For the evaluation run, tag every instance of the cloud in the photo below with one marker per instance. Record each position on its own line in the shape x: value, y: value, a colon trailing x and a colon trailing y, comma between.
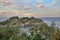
x: 8, y: 3
x: 39, y: 13
x: 11, y: 5
x: 10, y: 12
x: 46, y: 13
x: 54, y: 2
x: 28, y: 14
x: 40, y: 5
x: 50, y: 13
x: 26, y: 7
x: 21, y: 7
x: 13, y: 12
x: 14, y: 8
x: 5, y: 2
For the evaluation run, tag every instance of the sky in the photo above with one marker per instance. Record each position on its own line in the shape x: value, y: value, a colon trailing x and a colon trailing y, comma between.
x: 29, y: 8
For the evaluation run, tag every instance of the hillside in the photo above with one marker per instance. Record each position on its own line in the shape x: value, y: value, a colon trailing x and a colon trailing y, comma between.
x: 25, y: 21
x: 37, y: 29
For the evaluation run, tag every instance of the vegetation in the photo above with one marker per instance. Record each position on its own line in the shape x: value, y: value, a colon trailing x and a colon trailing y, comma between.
x: 7, y: 33
x: 41, y: 32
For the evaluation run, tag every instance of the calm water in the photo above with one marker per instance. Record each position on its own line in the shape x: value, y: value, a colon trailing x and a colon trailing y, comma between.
x: 49, y: 20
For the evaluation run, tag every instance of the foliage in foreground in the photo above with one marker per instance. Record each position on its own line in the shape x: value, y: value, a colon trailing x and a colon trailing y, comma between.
x: 42, y: 32
x: 7, y: 33
x: 39, y: 33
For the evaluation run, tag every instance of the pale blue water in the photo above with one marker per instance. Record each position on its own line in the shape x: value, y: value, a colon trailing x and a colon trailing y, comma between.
x: 49, y: 20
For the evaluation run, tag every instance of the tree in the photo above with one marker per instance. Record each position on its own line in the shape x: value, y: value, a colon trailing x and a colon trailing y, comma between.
x: 53, y: 24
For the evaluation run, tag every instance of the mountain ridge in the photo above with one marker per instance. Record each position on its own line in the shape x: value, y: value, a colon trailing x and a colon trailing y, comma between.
x: 25, y: 21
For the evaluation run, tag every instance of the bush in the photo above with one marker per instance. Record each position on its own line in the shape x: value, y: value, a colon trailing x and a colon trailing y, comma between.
x: 7, y: 33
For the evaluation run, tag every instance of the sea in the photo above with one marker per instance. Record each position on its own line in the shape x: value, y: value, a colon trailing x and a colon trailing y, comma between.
x: 49, y: 21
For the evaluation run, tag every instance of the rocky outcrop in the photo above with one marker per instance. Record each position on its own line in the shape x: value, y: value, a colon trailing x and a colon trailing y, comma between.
x: 22, y: 21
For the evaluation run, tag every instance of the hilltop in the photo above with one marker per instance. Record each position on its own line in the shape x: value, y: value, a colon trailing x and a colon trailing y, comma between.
x: 25, y: 21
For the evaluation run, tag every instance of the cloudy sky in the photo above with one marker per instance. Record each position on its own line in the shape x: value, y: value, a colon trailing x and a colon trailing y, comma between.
x: 28, y: 8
